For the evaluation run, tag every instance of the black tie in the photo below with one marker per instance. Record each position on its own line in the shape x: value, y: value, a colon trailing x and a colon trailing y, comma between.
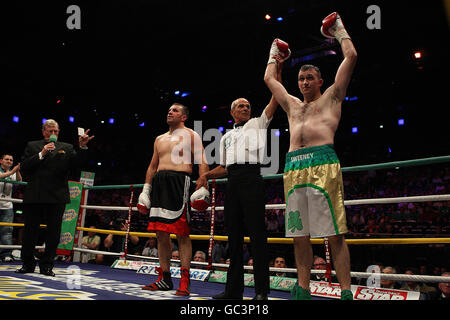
x: 240, y: 124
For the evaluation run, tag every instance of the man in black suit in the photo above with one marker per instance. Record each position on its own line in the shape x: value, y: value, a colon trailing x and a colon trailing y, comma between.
x: 47, y: 165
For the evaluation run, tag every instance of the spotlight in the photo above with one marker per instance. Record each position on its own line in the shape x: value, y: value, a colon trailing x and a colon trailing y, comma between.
x: 71, y: 119
x: 142, y: 124
x: 43, y: 120
x: 277, y: 133
x: 185, y: 94
x: 267, y: 17
x: 401, y: 122
x: 355, y: 130
x: 280, y: 19
x: 417, y: 54
x: 111, y: 121
x: 177, y: 93
x: 221, y: 129
x: 16, y: 119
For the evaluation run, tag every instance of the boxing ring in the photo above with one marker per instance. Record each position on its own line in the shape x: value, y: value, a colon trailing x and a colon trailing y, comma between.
x: 124, y: 279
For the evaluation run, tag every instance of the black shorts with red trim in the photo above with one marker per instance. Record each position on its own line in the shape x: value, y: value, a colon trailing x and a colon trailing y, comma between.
x: 169, y: 210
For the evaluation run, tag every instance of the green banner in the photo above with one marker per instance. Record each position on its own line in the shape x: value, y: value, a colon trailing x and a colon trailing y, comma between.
x: 70, y: 217
x: 276, y: 283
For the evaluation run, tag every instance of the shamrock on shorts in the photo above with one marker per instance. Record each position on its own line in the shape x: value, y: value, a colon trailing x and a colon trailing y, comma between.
x: 294, y: 221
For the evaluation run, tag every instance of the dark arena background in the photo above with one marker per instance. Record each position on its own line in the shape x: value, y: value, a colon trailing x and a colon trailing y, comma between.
x: 120, y: 70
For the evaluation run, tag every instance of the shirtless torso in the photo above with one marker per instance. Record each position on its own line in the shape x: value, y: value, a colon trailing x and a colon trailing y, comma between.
x: 313, y: 123
x: 174, y: 150
x: 177, y: 149
x: 314, y: 120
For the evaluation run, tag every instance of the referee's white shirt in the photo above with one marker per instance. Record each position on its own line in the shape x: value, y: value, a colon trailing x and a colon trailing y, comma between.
x: 245, y: 144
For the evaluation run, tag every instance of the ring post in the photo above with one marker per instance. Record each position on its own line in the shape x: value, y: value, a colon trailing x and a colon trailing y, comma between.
x: 211, y: 231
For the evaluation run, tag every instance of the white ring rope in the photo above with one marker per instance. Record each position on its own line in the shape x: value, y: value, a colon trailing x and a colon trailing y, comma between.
x: 438, y: 197
x: 383, y: 276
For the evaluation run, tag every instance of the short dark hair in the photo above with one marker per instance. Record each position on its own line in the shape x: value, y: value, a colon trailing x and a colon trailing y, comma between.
x: 309, y: 67
x: 183, y: 107
x: 6, y: 154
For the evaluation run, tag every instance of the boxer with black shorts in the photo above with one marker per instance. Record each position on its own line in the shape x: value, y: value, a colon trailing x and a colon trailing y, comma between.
x: 166, y: 195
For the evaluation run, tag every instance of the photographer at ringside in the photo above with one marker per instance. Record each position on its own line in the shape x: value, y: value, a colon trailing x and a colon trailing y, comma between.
x: 116, y: 243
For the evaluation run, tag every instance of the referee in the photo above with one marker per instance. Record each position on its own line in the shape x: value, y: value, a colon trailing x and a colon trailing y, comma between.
x: 241, y: 152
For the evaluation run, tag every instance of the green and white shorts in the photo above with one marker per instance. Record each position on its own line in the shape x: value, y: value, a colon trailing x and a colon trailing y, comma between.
x: 314, y: 193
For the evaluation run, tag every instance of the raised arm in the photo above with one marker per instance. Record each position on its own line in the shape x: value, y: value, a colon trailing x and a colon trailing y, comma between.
x: 273, y: 103
x: 332, y: 27
x: 345, y: 70
x: 273, y: 73
x: 9, y: 173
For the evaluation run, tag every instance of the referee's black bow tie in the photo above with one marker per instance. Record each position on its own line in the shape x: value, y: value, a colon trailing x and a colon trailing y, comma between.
x: 240, y: 124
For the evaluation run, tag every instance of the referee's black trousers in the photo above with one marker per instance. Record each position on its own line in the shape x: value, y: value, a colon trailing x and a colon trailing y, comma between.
x: 245, y: 205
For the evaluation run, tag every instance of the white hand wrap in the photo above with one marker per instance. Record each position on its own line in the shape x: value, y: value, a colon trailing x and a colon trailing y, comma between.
x: 144, y: 198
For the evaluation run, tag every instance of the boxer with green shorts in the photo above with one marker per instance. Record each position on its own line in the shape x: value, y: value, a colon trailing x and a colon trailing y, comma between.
x: 314, y: 193
x: 312, y: 176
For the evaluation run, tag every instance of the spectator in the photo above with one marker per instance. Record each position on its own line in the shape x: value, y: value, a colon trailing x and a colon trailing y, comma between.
x: 175, y: 256
x: 219, y: 252
x: 279, y: 262
x: 319, y: 263
x: 389, y: 284
x: 427, y: 291
x: 116, y: 243
x: 444, y: 288
x: 271, y: 222
x: 200, y: 256
x: 250, y: 264
x: 150, y: 248
x: 6, y: 207
x: 92, y: 242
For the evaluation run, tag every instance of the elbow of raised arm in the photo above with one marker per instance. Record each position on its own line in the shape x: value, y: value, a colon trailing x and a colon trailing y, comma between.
x: 266, y: 78
x: 352, y: 54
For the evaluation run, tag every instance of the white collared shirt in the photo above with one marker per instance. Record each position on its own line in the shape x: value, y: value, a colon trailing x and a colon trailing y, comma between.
x: 245, y: 144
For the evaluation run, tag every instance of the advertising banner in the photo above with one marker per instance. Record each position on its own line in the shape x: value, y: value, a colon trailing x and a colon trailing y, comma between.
x: 324, y: 289
x: 70, y: 218
x: 150, y: 268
